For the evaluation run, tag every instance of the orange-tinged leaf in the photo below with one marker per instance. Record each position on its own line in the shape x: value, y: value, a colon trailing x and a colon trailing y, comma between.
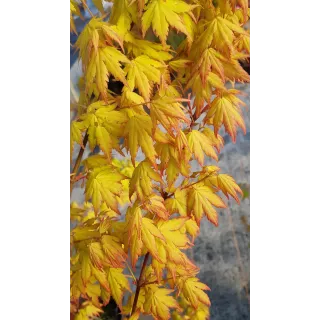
x: 234, y: 72
x: 118, y: 284
x: 216, y: 140
x: 161, y: 14
x: 227, y: 185
x: 104, y: 141
x: 103, y: 185
x: 171, y: 231
x: 134, y: 229
x: 141, y: 180
x: 225, y: 109
x: 192, y: 228
x: 97, y: 255
x: 169, y: 112
x: 86, y: 267
x: 155, y: 204
x: 209, y: 62
x: 87, y: 311
x: 158, y: 302
x: 149, y: 233
x: 201, y: 200
x: 138, y: 131
x: 115, y: 255
x: 192, y: 290
x: 142, y: 73
x: 200, y: 144
x: 178, y: 203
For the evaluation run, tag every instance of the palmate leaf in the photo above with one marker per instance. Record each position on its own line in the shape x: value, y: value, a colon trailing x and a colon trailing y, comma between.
x: 200, y: 144
x: 142, y: 72
x: 103, y: 185
x: 121, y: 16
x: 201, y: 200
x: 115, y: 256
x: 118, y: 284
x: 223, y: 182
x: 158, y: 302
x: 160, y: 14
x: 155, y: 205
x: 169, y: 112
x: 103, y: 62
x: 95, y: 33
x: 87, y: 311
x: 225, y: 109
x: 140, y: 47
x: 141, y: 231
x: 138, y: 132
x: 105, y: 125
x: 193, y: 291
x: 219, y: 34
x: 203, y: 92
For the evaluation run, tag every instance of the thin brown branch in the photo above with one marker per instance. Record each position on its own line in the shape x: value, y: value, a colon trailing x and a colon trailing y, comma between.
x: 139, y: 283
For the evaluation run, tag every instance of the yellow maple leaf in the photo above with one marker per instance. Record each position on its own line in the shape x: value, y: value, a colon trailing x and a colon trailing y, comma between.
x: 171, y: 231
x: 144, y: 47
x: 142, y: 72
x: 216, y: 140
x: 118, y: 284
x: 226, y: 184
x: 105, y: 61
x: 158, y: 302
x: 141, y: 231
x: 133, y: 227
x: 192, y: 290
x: 155, y: 205
x: 203, y: 92
x: 161, y: 14
x: 76, y: 130
x: 178, y: 203
x: 218, y: 33
x: 225, y: 109
x: 112, y: 247
x: 208, y: 62
x: 200, y: 144
x: 233, y: 71
x: 138, y: 132
x: 169, y: 112
x: 141, y: 180
x: 103, y: 185
x: 149, y: 232
x: 122, y: 15
x: 201, y: 200
x: 93, y: 34
x: 87, y: 311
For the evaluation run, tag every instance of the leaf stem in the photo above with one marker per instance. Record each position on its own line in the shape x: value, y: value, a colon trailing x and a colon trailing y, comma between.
x: 132, y: 274
x: 86, y: 6
x: 139, y: 283
x: 78, y: 161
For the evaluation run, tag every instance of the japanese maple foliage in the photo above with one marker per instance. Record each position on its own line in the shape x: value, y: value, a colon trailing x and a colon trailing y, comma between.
x: 172, y: 106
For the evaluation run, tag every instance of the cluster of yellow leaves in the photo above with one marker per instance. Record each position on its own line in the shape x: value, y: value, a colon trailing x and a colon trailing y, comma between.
x: 148, y: 210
